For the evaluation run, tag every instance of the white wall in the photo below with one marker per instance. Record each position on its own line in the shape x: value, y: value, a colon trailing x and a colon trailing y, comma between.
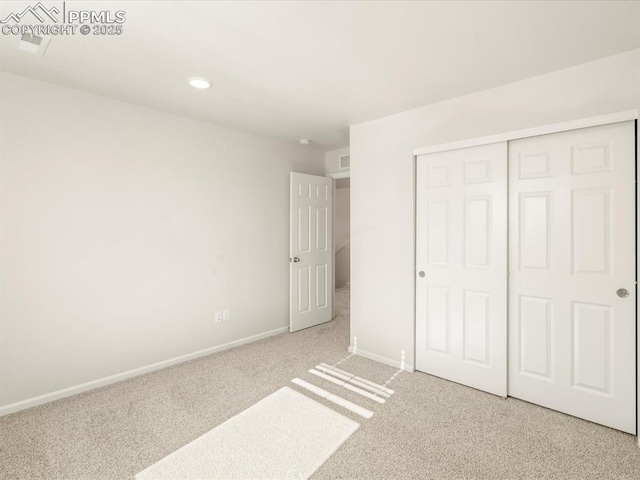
x: 341, y: 233
x: 124, y: 229
x: 332, y: 160
x: 382, y: 180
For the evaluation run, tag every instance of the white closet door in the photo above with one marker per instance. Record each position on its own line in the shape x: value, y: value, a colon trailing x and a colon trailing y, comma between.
x: 572, y: 258
x: 461, y: 304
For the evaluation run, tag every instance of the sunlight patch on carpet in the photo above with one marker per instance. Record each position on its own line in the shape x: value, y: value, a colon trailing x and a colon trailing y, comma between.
x: 286, y: 435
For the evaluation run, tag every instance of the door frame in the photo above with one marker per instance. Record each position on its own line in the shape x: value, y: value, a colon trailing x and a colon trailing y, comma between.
x: 628, y: 115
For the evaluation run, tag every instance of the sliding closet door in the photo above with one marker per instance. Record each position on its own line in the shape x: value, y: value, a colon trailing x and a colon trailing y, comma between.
x: 461, y: 260
x: 572, y: 287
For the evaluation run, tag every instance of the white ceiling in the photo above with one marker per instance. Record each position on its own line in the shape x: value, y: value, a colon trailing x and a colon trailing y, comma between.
x: 310, y: 69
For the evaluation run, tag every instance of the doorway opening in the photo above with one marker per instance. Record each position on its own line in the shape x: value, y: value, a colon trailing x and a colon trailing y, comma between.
x: 337, y: 164
x: 342, y: 233
x: 342, y: 252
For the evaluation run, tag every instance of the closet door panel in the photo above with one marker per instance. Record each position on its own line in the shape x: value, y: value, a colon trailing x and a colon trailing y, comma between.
x: 462, y: 253
x: 571, y: 249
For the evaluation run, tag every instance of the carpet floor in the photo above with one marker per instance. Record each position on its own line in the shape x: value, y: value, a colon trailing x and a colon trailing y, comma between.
x: 429, y: 429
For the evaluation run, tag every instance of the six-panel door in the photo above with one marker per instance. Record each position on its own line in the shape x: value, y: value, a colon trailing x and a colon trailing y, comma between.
x: 461, y: 263
x: 311, y: 250
x: 572, y: 258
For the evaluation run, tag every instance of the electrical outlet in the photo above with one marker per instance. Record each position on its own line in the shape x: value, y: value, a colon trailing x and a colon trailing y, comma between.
x: 218, y: 317
x: 225, y: 315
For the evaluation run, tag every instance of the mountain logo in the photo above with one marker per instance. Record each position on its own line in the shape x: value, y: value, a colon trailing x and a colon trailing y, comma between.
x: 38, y: 11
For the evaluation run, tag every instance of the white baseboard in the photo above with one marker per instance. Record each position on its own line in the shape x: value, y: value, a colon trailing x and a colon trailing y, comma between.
x: 101, y: 382
x: 381, y: 359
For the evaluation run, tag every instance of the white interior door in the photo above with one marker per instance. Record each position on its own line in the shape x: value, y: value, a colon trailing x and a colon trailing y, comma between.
x: 461, y: 260
x: 572, y: 248
x: 310, y: 251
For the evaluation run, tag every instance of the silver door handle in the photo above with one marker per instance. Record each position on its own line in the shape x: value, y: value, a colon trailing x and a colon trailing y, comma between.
x: 421, y: 274
x: 296, y: 259
x: 623, y: 292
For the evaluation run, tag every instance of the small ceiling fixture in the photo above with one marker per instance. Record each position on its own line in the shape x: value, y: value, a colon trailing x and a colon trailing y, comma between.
x: 199, y: 82
x: 304, y: 141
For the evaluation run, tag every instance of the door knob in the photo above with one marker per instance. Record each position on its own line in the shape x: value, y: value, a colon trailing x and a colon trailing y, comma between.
x: 421, y: 274
x: 623, y: 292
x: 296, y: 259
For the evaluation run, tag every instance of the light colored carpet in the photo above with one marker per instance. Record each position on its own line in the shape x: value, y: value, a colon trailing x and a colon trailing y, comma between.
x: 285, y: 436
x: 429, y: 429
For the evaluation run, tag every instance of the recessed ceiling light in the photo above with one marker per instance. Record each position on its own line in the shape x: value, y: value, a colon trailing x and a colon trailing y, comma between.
x: 199, y: 82
x: 304, y: 141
